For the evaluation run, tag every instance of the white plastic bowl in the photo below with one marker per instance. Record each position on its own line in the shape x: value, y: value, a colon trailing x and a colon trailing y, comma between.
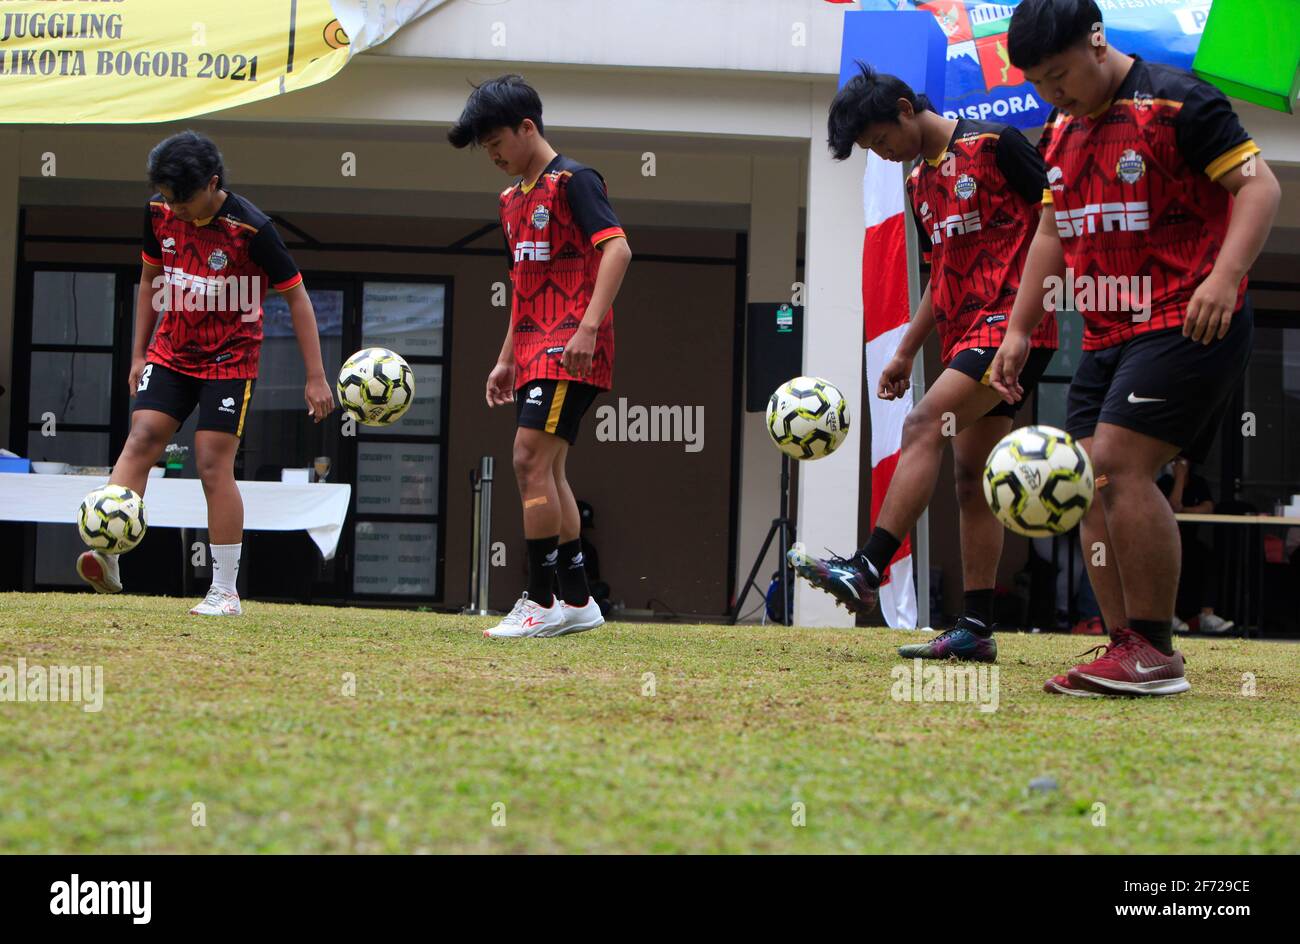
x: 50, y: 468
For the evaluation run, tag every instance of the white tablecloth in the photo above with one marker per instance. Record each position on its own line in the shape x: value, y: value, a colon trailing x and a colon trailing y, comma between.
x: 317, y: 508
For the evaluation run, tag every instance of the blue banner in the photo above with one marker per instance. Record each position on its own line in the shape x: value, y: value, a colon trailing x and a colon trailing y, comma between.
x: 979, y: 80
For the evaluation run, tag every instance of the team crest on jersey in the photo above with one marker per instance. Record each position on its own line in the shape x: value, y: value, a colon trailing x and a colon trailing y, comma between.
x: 217, y: 261
x: 1143, y: 101
x: 541, y: 216
x: 1131, y: 167
x: 925, y: 209
x: 965, y: 187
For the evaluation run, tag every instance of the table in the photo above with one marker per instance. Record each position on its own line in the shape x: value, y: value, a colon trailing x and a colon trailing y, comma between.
x: 317, y: 508
x: 1254, y: 554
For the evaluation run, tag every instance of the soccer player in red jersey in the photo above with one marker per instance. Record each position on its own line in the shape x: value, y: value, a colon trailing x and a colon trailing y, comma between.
x: 567, y: 257
x: 1157, y: 205
x: 208, y: 256
x: 974, y: 193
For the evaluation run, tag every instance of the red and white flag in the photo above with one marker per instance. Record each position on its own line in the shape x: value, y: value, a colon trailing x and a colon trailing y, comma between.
x: 886, y: 312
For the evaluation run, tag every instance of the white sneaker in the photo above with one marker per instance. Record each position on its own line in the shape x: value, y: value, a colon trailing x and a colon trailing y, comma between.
x: 529, y: 619
x: 1213, y: 623
x: 579, y: 619
x: 218, y: 602
x: 100, y: 571
x: 1180, y: 627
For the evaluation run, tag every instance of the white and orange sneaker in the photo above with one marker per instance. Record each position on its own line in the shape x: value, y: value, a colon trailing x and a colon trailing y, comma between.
x: 579, y: 619
x: 100, y: 571
x: 529, y: 619
x: 218, y: 602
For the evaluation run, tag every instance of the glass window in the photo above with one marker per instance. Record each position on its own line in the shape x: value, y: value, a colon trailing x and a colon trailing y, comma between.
x: 424, y: 418
x: 406, y: 317
x: 279, y: 433
x: 76, y: 388
x: 396, y: 558
x: 397, y: 478
x: 73, y: 308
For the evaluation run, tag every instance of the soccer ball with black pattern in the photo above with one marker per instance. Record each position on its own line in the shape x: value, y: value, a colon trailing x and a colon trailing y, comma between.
x: 112, y: 519
x: 1038, y: 481
x: 807, y: 418
x: 376, y: 386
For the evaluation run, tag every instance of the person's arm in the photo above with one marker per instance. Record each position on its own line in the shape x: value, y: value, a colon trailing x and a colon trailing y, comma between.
x: 319, y: 396
x: 896, y: 377
x: 1212, y: 141
x: 615, y: 255
x: 501, y: 379
x: 1046, y: 259
x: 1254, y: 206
x: 267, y: 251
x: 596, y: 218
x: 1180, y: 483
x: 147, y: 309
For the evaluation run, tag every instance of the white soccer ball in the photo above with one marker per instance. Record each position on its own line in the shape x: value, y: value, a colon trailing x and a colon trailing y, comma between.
x: 1038, y: 481
x: 376, y: 386
x: 807, y: 418
x: 112, y: 519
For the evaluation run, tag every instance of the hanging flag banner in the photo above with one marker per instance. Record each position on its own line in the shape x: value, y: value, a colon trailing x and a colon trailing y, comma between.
x: 132, y: 61
x: 980, y: 81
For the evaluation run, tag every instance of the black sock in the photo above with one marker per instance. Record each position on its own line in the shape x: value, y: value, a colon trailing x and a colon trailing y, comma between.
x: 878, y: 551
x: 573, y: 574
x: 1159, y: 633
x: 543, y: 554
x: 979, y: 609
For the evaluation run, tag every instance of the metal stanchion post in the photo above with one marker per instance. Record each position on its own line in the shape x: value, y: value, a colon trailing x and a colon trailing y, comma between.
x: 484, y: 534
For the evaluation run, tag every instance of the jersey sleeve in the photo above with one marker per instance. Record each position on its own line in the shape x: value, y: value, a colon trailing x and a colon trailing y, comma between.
x: 922, y: 237
x: 591, y: 210
x: 1209, y: 136
x: 1045, y: 142
x: 268, y: 252
x: 1021, y: 165
x: 151, y: 251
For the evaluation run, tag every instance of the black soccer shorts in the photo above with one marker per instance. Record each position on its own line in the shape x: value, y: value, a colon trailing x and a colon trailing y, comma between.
x: 976, y: 362
x: 223, y: 404
x: 1163, y: 385
x: 554, y: 406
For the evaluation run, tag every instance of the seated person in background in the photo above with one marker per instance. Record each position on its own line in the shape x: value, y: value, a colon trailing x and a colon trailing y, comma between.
x: 1198, y: 586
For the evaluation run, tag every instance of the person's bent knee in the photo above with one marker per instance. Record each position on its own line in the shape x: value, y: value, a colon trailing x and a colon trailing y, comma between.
x: 922, y: 427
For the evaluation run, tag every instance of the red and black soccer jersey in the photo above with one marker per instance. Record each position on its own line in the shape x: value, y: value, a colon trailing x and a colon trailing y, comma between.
x: 976, y: 209
x: 552, y: 231
x: 217, y: 340
x: 1134, y: 192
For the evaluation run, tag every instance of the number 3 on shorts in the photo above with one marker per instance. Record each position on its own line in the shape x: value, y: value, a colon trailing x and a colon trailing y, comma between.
x: 144, y: 378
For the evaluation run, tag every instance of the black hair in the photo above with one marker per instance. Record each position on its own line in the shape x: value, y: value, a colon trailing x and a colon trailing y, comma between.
x: 1043, y: 28
x: 503, y: 102
x: 867, y: 98
x: 184, y: 163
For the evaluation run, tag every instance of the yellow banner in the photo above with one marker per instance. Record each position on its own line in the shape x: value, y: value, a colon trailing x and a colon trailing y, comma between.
x: 121, y: 61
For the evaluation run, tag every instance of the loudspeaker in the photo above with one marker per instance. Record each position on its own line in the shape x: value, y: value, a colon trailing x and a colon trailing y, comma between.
x: 773, y: 350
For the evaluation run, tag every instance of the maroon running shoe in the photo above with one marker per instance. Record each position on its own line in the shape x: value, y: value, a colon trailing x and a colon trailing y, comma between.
x: 1131, y: 666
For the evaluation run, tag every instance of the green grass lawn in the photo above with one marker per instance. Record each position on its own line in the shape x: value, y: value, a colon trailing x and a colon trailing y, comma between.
x: 455, y: 743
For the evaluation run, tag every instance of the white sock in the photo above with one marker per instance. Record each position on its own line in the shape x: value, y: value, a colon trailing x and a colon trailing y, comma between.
x: 225, y: 565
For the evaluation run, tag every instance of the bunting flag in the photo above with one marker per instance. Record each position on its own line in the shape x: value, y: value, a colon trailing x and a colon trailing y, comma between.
x: 886, y: 312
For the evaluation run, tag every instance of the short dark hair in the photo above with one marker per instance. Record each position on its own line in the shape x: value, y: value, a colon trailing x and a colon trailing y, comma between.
x: 503, y: 102
x: 1043, y: 28
x: 868, y: 97
x: 184, y: 163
